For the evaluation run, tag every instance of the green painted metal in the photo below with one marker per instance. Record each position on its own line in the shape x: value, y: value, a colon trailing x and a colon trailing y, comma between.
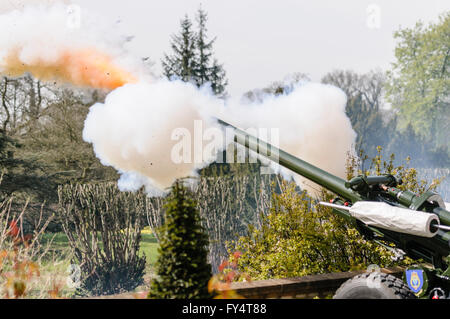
x: 307, y: 170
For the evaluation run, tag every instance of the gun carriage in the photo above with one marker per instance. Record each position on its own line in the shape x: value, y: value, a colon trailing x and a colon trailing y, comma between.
x: 417, y: 225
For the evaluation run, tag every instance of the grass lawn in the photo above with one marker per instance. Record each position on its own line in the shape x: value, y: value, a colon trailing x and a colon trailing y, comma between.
x: 60, y: 245
x: 149, y: 246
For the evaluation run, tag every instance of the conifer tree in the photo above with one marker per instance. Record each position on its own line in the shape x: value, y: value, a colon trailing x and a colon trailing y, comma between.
x: 204, y: 48
x: 192, y: 58
x: 182, y: 268
x: 208, y: 71
x: 182, y: 64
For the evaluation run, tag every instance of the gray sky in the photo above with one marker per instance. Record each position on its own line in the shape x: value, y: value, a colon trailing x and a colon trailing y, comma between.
x: 261, y: 41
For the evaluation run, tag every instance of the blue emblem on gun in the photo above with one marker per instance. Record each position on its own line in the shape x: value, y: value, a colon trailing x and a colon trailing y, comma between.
x: 414, y: 278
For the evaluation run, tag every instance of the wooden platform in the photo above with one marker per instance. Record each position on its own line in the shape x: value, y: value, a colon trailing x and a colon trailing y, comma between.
x: 321, y: 286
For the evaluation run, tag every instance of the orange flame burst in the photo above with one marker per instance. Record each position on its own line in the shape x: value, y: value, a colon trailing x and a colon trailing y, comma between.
x: 85, y: 68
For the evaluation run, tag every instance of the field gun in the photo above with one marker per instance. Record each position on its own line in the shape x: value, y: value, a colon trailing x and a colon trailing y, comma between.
x: 417, y: 225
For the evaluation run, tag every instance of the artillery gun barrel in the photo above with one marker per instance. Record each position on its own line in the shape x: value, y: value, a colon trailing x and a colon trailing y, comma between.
x: 329, y: 181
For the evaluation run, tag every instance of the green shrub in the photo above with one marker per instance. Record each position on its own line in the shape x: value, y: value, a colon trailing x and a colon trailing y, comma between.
x: 299, y: 237
x: 182, y: 268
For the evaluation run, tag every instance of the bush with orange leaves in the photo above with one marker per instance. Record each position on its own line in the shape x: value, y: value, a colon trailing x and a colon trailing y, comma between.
x: 16, y: 273
x: 220, y: 284
x: 20, y: 258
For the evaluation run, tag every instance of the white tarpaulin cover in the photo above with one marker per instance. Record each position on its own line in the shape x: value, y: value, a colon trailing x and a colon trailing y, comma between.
x: 394, y: 218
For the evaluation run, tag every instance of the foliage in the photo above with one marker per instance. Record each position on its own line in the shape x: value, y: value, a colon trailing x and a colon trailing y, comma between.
x: 182, y: 63
x: 208, y: 71
x: 377, y: 125
x: 42, y: 145
x: 192, y: 57
x: 364, y: 93
x: 57, y: 144
x: 104, y: 226
x: 299, y: 237
x: 220, y: 284
x: 21, y: 101
x: 6, y: 152
x: 182, y: 268
x: 22, y: 255
x: 15, y: 281
x: 227, y: 204
x: 419, y: 82
x: 409, y: 175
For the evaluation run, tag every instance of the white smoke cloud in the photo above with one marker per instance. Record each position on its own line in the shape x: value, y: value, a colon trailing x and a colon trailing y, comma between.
x: 43, y: 32
x: 10, y: 5
x: 312, y: 126
x: 133, y: 130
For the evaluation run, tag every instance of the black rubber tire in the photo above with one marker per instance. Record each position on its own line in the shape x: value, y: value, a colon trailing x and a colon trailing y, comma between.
x: 374, y: 285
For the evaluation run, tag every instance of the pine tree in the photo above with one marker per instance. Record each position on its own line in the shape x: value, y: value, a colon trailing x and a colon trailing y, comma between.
x: 192, y: 59
x: 217, y: 79
x: 208, y: 71
x: 182, y: 268
x: 182, y: 63
x: 203, y: 49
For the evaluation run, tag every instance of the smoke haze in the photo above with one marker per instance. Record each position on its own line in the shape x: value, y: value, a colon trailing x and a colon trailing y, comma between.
x: 312, y: 125
x: 137, y: 127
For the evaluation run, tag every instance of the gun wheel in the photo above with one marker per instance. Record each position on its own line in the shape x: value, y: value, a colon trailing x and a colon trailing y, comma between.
x: 374, y: 285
